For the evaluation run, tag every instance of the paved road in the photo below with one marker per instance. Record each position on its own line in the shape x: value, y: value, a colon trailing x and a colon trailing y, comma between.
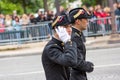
x: 107, y: 66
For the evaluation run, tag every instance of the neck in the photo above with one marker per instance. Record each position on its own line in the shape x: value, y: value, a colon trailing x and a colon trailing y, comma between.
x: 77, y: 27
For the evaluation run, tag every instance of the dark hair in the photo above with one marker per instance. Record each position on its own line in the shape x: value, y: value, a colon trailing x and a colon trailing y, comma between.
x: 16, y: 17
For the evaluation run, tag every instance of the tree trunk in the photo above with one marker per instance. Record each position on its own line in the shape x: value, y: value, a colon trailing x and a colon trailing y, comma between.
x: 57, y: 5
x: 24, y: 6
x: 45, y: 5
x: 113, y: 16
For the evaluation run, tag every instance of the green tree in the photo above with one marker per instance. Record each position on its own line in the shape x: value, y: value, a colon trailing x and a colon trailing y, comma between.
x: 28, y: 5
x: 8, y: 7
x: 89, y: 2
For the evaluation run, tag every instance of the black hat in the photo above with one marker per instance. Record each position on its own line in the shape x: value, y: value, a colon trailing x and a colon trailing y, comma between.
x: 60, y: 21
x: 78, y: 13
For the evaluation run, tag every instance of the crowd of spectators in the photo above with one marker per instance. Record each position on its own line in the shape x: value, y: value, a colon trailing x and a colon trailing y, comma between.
x: 101, y: 17
x: 17, y: 22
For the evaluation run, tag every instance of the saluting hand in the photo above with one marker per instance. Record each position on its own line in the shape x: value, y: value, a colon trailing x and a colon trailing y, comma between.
x: 62, y: 33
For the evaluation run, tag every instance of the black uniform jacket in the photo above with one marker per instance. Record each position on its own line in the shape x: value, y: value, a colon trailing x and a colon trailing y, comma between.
x: 79, y: 73
x: 57, y: 59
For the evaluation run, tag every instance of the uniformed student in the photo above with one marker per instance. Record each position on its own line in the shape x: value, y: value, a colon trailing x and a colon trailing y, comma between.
x: 78, y: 17
x: 60, y: 53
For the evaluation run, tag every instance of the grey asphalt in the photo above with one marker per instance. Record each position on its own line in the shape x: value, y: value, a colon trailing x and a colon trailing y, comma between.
x: 107, y: 64
x: 106, y: 61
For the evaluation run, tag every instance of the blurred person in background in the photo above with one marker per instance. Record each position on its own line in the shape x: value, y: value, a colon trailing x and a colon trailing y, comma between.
x: 14, y: 14
x: 39, y: 16
x: 115, y: 6
x: 107, y: 21
x: 92, y: 22
x: 99, y: 13
x: 62, y: 10
x: 2, y: 27
x: 17, y: 25
x: 32, y: 30
x: 44, y: 31
x: 2, y: 30
x: 2, y: 18
x: 32, y: 18
x: 8, y: 22
x: 43, y: 17
x: 50, y: 15
x: 117, y: 15
x: 24, y: 20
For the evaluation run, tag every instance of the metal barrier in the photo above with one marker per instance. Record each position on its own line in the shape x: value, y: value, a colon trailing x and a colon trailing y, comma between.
x: 42, y: 31
x: 29, y: 33
x: 102, y: 26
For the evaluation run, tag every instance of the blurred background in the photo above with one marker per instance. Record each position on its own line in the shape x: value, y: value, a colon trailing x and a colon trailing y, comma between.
x: 25, y: 28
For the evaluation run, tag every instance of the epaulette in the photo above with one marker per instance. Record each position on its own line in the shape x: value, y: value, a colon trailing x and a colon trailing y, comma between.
x: 78, y: 34
x: 62, y: 44
x: 55, y: 44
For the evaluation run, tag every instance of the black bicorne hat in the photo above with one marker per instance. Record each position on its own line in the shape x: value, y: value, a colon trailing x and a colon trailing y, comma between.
x: 78, y: 13
x: 60, y: 21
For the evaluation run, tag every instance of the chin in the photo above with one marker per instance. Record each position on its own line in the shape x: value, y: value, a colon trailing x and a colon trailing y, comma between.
x: 84, y: 28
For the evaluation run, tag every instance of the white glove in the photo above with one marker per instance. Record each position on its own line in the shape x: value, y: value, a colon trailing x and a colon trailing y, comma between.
x: 63, y: 35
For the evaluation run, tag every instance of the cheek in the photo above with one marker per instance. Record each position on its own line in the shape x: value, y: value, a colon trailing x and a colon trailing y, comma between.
x: 69, y: 30
x: 85, y: 23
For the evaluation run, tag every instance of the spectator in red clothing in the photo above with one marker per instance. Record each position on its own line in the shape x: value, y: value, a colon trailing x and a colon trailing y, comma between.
x: 99, y: 13
x: 107, y: 21
x: 2, y: 29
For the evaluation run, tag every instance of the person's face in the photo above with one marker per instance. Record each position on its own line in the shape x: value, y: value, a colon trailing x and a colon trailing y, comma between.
x: 68, y: 29
x: 17, y: 19
x: 83, y: 24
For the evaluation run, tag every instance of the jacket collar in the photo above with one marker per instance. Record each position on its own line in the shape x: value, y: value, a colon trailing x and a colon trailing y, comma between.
x: 76, y: 31
x: 58, y: 42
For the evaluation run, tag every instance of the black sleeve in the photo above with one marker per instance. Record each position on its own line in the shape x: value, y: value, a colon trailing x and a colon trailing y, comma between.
x: 66, y: 57
x: 81, y: 65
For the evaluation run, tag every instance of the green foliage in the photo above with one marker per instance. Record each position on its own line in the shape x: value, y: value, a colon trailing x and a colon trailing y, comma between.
x: 30, y: 6
x: 89, y: 2
x: 71, y: 0
x: 7, y: 8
